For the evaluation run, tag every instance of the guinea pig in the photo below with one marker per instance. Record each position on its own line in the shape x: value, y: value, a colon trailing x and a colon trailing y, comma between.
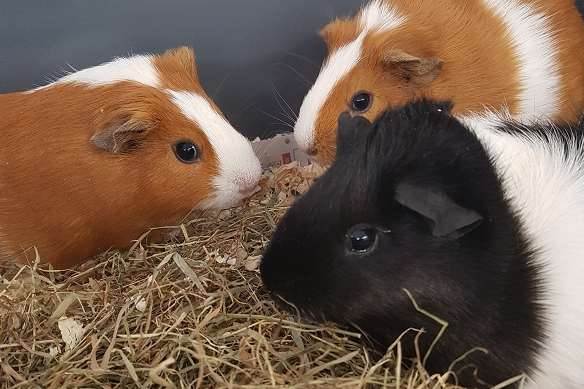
x: 95, y: 159
x: 524, y: 57
x: 479, y: 226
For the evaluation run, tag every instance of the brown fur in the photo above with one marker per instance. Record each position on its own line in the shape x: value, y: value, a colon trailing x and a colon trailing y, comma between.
x: 177, y: 69
x: 70, y: 199
x: 476, y: 67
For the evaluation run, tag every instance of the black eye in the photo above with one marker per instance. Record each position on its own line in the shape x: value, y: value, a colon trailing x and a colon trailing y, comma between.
x: 361, y: 102
x: 361, y: 239
x: 186, y: 152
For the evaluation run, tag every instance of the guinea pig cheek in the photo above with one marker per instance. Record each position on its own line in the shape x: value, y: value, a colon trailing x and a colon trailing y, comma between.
x: 324, y: 148
x: 191, y: 183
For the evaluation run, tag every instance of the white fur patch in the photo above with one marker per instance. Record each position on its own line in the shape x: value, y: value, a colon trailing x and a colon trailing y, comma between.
x: 379, y: 16
x: 338, y: 65
x: 376, y: 16
x: 238, y: 165
x: 546, y: 189
x: 138, y: 68
x: 535, y: 48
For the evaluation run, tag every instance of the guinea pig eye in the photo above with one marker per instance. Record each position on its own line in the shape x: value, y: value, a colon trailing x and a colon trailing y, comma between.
x: 361, y: 102
x: 361, y: 239
x: 186, y: 152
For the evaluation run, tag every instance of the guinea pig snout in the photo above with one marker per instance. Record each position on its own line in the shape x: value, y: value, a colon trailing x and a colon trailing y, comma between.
x: 247, y: 182
x: 247, y: 187
x: 312, y: 151
x: 283, y: 279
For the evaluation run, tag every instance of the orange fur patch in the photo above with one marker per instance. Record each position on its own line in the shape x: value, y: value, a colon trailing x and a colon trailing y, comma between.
x: 177, y: 69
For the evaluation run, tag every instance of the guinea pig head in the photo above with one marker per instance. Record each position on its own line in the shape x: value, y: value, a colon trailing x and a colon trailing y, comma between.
x: 406, y: 207
x: 189, y: 156
x: 373, y: 63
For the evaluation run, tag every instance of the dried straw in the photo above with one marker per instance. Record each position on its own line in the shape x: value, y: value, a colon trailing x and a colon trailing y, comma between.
x: 190, y: 313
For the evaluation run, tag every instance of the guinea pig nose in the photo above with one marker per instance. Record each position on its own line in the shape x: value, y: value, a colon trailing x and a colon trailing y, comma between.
x: 312, y: 151
x: 247, y: 187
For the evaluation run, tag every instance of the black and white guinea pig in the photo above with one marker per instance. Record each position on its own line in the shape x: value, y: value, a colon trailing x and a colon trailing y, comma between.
x: 482, y: 225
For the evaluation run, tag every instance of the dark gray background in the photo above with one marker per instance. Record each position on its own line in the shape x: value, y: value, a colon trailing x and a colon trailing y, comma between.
x: 247, y: 49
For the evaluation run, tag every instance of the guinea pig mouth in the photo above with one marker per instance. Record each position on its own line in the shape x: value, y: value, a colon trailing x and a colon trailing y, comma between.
x: 312, y: 153
x: 300, y: 312
x: 284, y: 304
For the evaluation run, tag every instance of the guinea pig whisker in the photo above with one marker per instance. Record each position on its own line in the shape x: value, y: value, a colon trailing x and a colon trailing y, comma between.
x: 296, y: 72
x: 287, y: 120
x: 279, y: 97
x: 68, y: 69
x: 286, y: 116
x: 305, y: 58
x: 281, y: 121
x: 220, y: 86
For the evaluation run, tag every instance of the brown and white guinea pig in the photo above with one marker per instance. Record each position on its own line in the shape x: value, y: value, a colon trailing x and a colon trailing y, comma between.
x: 482, y: 228
x: 524, y: 56
x: 96, y: 158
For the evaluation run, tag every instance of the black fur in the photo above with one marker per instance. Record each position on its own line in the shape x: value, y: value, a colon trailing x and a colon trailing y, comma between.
x: 482, y: 282
x: 565, y: 134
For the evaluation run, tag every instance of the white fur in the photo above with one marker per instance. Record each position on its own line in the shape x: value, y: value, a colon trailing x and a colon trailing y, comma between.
x: 536, y: 51
x: 238, y: 165
x: 376, y: 16
x: 546, y: 189
x: 139, y: 68
x: 339, y: 64
x: 379, y: 16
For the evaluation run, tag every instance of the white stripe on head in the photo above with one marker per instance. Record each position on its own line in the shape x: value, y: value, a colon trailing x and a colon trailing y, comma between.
x: 376, y: 16
x: 340, y: 63
x: 379, y: 16
x: 139, y: 68
x: 532, y: 39
x: 239, y: 167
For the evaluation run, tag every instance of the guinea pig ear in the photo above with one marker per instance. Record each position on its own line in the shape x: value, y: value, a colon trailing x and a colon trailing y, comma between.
x: 350, y: 129
x: 183, y: 56
x: 417, y: 71
x: 449, y: 219
x: 122, y: 135
x: 177, y: 67
x: 337, y: 31
x: 326, y: 34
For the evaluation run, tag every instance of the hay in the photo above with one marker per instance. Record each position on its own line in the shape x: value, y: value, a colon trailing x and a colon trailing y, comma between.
x: 192, y: 313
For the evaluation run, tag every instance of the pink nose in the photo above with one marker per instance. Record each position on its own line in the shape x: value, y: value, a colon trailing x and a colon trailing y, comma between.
x: 247, y: 187
x: 312, y: 151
